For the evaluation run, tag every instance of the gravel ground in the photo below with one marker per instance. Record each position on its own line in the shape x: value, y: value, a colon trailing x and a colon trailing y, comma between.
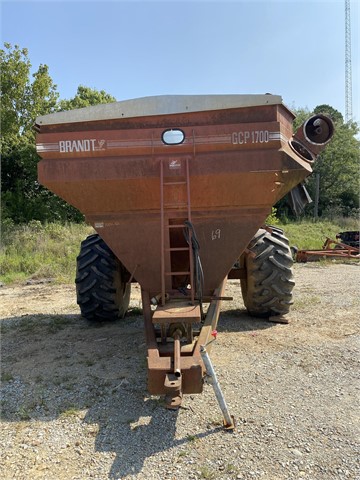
x: 75, y: 405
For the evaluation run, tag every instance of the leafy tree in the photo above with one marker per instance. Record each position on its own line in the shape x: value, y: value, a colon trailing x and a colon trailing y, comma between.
x: 302, y: 114
x: 338, y: 167
x: 331, y: 112
x: 23, y: 99
x: 86, y: 96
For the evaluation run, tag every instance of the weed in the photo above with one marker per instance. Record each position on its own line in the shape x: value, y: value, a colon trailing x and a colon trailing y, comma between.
x: 28, y: 325
x: 57, y: 381
x: 306, y: 302
x: 69, y: 387
x: 272, y: 218
x: 23, y: 413
x: 355, y: 302
x: 3, y: 405
x: 6, y: 328
x: 207, y: 473
x: 192, y: 438
x: 69, y: 412
x: 307, y: 366
x: 62, y: 380
x: 89, y: 362
x: 230, y: 468
x: 216, y: 422
x: 6, y: 377
x: 58, y: 323
x: 41, y: 401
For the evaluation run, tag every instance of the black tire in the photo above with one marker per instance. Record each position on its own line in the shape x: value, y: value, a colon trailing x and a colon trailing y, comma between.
x: 101, y: 288
x: 268, y: 283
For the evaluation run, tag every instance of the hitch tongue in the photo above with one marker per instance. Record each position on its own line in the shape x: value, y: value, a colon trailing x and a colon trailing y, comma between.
x: 173, y: 381
x: 173, y: 395
x: 229, y: 421
x: 177, y: 353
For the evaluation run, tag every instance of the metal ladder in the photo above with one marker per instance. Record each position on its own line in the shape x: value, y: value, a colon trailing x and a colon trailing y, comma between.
x: 166, y: 207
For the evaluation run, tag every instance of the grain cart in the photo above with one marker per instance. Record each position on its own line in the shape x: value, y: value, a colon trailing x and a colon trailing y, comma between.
x: 177, y: 188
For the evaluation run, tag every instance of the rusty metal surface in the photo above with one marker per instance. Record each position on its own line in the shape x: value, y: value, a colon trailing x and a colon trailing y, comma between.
x: 176, y: 311
x: 231, y: 166
x: 188, y: 367
x: 331, y: 249
x: 240, y: 164
x: 314, y: 134
x: 173, y: 391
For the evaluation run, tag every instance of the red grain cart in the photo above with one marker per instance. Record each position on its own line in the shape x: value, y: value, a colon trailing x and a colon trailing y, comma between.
x: 177, y: 188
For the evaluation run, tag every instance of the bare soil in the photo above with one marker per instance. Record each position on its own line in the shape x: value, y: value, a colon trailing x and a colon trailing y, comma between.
x: 75, y: 405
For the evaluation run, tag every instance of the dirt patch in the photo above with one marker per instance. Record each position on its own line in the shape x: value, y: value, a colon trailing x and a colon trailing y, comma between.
x: 75, y: 405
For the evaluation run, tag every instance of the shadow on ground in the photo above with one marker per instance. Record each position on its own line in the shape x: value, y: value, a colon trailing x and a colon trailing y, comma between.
x: 58, y: 366
x: 238, y: 320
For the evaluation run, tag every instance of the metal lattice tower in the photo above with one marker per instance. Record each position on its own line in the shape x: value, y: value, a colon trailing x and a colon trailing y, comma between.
x: 348, y: 76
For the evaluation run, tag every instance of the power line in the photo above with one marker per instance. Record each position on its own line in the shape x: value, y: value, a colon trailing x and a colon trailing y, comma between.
x: 348, y: 75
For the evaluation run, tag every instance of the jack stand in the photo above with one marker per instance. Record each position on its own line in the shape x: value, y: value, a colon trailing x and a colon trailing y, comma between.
x: 229, y: 420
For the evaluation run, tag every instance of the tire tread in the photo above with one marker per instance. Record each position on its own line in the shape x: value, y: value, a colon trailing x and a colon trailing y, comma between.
x: 101, y: 292
x: 267, y: 289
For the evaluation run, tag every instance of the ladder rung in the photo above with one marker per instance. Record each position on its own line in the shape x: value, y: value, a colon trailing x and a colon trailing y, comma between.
x: 177, y: 225
x: 177, y: 273
x: 178, y: 249
x: 166, y: 205
x: 175, y: 183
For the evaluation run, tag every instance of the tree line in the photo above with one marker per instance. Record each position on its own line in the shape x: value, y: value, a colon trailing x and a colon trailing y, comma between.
x: 26, y: 96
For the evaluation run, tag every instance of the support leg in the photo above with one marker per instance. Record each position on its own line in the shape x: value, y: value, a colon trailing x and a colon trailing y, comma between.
x: 229, y: 422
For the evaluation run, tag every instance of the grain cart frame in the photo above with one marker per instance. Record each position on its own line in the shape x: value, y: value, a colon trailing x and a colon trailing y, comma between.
x: 177, y: 188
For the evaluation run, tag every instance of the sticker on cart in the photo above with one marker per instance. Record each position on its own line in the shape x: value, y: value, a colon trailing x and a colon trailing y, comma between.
x: 174, y: 164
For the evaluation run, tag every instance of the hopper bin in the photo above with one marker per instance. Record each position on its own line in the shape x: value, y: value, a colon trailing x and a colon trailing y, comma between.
x: 177, y: 189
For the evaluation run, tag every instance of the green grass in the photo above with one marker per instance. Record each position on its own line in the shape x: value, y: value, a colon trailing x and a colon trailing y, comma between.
x: 36, y: 251
x: 57, y: 323
x: 6, y: 377
x: 69, y: 412
x: 310, y: 235
x: 23, y: 413
x: 207, y: 473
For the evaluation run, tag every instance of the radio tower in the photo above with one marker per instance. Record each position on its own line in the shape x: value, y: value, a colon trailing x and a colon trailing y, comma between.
x: 348, y: 77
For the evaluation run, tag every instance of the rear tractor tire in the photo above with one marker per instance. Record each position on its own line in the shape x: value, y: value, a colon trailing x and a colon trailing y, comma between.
x: 268, y: 283
x: 101, y: 288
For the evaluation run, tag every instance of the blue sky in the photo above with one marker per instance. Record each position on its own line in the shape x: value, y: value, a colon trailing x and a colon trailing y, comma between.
x: 138, y: 48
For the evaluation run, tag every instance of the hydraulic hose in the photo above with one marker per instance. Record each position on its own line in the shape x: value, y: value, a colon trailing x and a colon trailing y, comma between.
x: 191, y: 238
